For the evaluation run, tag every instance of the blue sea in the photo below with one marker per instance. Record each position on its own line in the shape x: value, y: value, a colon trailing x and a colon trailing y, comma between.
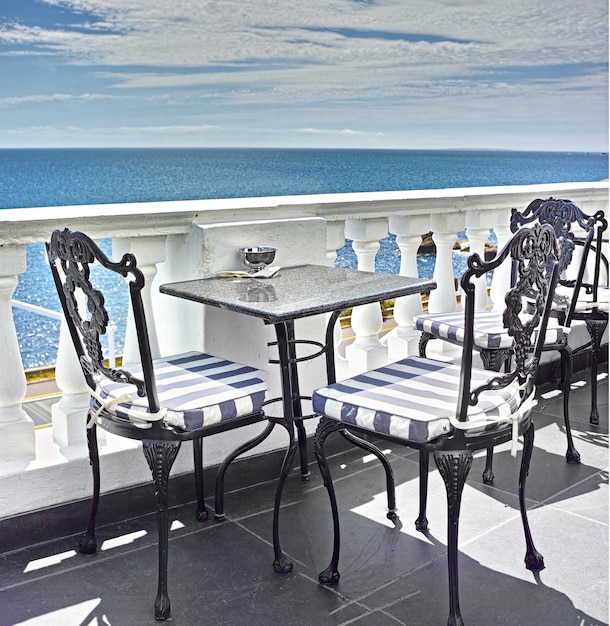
x: 60, y: 177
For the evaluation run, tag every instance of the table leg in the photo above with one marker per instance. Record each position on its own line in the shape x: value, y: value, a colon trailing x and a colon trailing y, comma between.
x: 297, y: 408
x: 280, y: 563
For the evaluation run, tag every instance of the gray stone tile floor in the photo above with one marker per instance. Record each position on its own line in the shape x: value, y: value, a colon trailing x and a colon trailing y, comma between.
x: 220, y: 573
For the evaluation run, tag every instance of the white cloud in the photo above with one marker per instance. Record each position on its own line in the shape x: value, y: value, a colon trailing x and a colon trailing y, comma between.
x: 295, y: 63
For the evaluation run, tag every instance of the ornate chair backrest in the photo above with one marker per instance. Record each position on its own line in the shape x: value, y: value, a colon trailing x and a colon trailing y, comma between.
x: 572, y: 227
x: 71, y: 255
x: 534, y: 255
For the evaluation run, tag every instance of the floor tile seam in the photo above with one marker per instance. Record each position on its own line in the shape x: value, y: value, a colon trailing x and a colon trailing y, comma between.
x: 348, y: 602
x: 360, y: 600
x: 558, y: 509
x: 576, y: 484
x: 268, y: 543
x: 101, y: 556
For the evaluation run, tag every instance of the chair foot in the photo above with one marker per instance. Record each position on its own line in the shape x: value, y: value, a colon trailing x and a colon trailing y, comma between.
x: 534, y: 561
x: 488, y: 475
x: 87, y: 544
x: 282, y: 565
x: 572, y: 456
x: 202, y: 515
x: 488, y: 478
x: 219, y: 517
x: 305, y: 477
x: 329, y: 576
x: 162, y: 607
x: 455, y: 620
x: 594, y: 418
x: 421, y: 524
x: 391, y: 514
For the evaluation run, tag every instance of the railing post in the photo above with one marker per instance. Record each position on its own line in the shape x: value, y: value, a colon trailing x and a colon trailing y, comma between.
x: 69, y: 415
x: 335, y: 239
x: 445, y: 227
x: 478, y: 224
x: 402, y: 341
x: 16, y: 427
x: 366, y: 352
x: 500, y: 282
x: 148, y: 252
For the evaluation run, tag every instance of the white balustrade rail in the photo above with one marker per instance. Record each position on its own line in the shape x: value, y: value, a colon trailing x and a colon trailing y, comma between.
x: 169, y: 239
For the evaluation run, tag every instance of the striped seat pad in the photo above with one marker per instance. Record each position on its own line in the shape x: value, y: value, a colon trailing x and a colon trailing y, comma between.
x: 413, y: 400
x: 196, y: 389
x: 489, y: 331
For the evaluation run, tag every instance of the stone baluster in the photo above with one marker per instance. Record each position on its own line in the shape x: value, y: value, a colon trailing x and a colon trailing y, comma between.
x: 366, y: 352
x: 500, y: 282
x: 335, y: 239
x: 445, y: 227
x: 148, y: 252
x: 16, y: 427
x: 478, y: 225
x: 402, y: 341
x: 69, y: 415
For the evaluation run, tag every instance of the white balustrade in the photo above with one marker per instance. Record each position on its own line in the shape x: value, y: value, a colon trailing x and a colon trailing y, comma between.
x: 402, y: 341
x: 16, y: 428
x: 149, y: 251
x: 445, y: 227
x: 367, y: 351
x: 478, y: 228
x: 69, y: 414
x: 500, y: 281
x: 363, y: 218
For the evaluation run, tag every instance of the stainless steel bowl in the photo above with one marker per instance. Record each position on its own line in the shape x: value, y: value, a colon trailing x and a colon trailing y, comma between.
x: 257, y: 257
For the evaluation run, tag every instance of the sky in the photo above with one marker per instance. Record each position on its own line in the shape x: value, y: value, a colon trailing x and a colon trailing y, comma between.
x: 409, y: 74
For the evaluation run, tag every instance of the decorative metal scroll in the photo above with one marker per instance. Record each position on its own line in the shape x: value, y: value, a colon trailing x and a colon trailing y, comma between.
x: 534, y: 252
x: 562, y: 215
x: 75, y: 253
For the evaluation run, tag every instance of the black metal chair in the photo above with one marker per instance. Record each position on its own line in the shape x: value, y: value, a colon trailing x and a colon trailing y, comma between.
x: 160, y: 402
x: 492, y: 340
x: 592, y: 308
x: 452, y: 410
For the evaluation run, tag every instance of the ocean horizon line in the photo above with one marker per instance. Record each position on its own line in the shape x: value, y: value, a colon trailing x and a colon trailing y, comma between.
x: 307, y: 148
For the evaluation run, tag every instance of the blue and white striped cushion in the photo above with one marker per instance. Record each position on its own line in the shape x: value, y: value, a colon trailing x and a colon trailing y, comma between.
x: 489, y: 330
x: 413, y: 399
x: 197, y: 389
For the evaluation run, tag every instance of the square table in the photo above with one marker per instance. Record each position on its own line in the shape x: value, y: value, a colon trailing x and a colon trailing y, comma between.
x: 293, y: 293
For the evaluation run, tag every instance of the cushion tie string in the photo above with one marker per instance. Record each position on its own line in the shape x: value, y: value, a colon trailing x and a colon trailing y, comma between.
x: 110, y: 404
x: 527, y: 405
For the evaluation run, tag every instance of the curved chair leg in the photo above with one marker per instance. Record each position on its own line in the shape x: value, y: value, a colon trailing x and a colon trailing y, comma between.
x: 596, y: 330
x: 488, y: 474
x: 389, y: 474
x: 421, y: 523
x: 424, y: 338
x: 330, y: 576
x: 493, y: 360
x: 88, y: 543
x: 533, y: 559
x: 281, y: 564
x: 567, y: 362
x: 219, y: 505
x: 160, y: 457
x: 201, y: 513
x: 453, y: 467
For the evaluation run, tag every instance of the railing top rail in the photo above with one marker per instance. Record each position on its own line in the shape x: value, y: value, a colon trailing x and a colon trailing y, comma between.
x: 30, y: 225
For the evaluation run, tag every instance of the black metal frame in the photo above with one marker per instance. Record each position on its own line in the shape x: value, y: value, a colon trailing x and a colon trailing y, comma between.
x: 596, y: 320
x: 70, y: 256
x: 534, y: 254
x: 564, y: 216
